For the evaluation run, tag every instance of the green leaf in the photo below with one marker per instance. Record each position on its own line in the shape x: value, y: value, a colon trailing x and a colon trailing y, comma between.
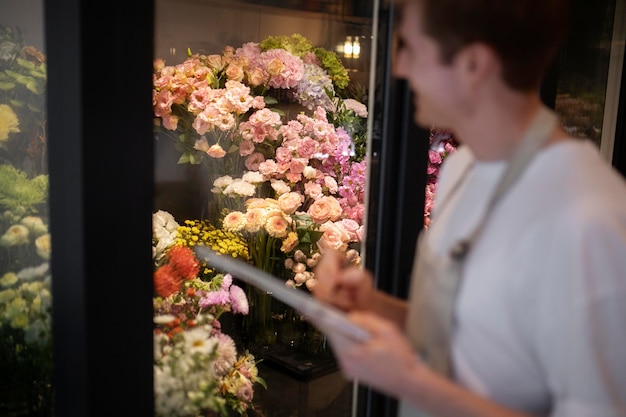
x: 7, y: 85
x: 184, y: 158
x: 270, y: 100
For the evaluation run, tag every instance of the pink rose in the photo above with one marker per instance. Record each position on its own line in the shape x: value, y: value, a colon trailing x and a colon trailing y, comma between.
x: 352, y: 228
x: 254, y: 160
x: 313, y: 190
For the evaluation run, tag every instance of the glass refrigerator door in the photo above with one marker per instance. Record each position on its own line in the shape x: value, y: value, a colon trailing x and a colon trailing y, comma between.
x: 589, y: 72
x: 260, y: 126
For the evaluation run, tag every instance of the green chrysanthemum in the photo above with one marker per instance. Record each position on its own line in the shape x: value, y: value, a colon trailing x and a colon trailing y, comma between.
x: 296, y: 44
x: 9, y: 123
x: 332, y: 64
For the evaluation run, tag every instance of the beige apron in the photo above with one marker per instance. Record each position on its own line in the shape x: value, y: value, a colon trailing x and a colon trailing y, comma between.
x: 435, y: 279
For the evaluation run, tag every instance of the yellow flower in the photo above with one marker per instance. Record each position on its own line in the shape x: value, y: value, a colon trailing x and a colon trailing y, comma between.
x: 8, y: 122
x: 15, y: 235
x: 42, y: 243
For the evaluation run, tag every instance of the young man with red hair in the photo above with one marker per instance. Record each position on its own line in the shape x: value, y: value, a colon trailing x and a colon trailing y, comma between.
x: 516, y: 305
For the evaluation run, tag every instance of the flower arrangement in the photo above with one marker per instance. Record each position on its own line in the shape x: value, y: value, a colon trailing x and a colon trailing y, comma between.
x: 26, y: 356
x: 442, y: 143
x: 197, y: 368
x: 279, y: 136
x: 283, y: 149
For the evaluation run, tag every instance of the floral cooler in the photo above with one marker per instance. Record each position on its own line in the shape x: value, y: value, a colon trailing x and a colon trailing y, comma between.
x: 275, y: 133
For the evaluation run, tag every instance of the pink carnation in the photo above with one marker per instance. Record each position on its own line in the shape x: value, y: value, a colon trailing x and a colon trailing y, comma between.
x: 239, y: 300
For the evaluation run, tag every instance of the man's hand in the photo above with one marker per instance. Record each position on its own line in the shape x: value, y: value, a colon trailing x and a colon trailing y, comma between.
x: 346, y: 287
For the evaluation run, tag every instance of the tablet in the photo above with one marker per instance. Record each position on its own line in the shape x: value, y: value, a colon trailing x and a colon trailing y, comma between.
x: 324, y: 316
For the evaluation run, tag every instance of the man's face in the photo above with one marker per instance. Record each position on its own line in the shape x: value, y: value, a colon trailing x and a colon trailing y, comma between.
x: 434, y: 85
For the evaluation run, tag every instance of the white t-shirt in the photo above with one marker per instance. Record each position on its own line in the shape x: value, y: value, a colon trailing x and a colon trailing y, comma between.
x: 541, y: 313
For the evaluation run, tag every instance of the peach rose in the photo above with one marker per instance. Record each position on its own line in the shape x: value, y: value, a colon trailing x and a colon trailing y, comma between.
x: 256, y: 77
x: 234, y: 73
x: 289, y: 202
x: 324, y: 209
x: 216, y: 151
x: 275, y: 67
x: 335, y: 237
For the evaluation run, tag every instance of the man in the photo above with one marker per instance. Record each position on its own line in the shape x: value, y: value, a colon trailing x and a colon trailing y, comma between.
x: 531, y: 221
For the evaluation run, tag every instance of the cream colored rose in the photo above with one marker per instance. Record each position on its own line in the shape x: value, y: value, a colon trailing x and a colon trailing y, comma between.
x: 256, y: 77
x: 280, y: 186
x: 215, y: 62
x: 290, y: 202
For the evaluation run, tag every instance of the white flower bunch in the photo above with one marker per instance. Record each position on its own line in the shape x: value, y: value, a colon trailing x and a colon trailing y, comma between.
x: 184, y: 371
x: 25, y: 301
x: 164, y: 231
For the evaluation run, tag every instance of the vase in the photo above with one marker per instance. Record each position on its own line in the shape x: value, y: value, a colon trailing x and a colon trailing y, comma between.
x: 315, y: 343
x: 259, y: 323
x: 291, y: 327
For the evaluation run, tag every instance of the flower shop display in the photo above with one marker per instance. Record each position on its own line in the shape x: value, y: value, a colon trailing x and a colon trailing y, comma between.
x: 442, y: 144
x: 26, y: 356
x: 278, y: 134
x: 197, y: 367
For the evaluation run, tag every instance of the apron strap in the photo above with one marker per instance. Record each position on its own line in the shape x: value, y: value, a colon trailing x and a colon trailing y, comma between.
x: 430, y: 319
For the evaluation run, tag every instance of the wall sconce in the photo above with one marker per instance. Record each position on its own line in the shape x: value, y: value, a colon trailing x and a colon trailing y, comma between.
x: 351, y: 48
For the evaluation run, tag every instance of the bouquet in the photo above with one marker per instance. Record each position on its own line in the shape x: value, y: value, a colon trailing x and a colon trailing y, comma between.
x: 282, y: 143
x: 197, y: 367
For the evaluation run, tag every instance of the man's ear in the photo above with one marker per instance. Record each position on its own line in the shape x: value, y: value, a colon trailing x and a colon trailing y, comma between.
x: 477, y: 63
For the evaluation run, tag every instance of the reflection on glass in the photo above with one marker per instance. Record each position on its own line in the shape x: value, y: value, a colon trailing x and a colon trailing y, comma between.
x: 26, y: 358
x: 583, y: 69
x: 261, y: 144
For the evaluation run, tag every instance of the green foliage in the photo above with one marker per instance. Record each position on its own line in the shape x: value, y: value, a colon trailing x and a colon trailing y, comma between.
x: 19, y: 193
x: 334, y: 67
x: 300, y: 46
x: 296, y: 44
x: 23, y: 90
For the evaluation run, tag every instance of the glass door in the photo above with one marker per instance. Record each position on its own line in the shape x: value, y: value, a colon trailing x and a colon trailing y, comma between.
x: 261, y: 115
x: 589, y: 72
x: 26, y: 352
